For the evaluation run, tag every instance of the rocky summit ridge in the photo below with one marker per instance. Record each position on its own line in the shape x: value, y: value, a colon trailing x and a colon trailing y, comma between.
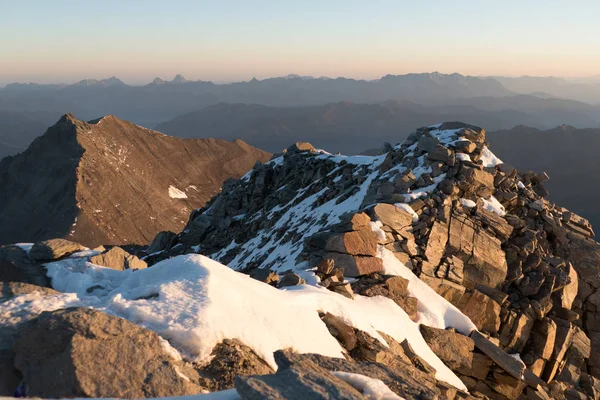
x: 433, y: 270
x: 109, y: 181
x: 476, y: 230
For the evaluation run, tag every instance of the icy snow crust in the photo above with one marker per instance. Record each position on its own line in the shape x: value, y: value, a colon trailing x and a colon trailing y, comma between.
x: 200, y: 302
x: 372, y: 389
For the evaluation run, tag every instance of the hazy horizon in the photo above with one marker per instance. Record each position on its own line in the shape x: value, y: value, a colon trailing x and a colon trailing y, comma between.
x: 67, y: 41
x: 216, y: 81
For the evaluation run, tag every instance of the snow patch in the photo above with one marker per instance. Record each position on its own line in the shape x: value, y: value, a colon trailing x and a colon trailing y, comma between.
x: 408, y: 209
x: 372, y: 389
x: 175, y: 193
x: 494, y: 206
x: 488, y: 158
x: 25, y: 247
x: 463, y: 157
x: 467, y: 203
x: 195, y: 303
x: 376, y: 227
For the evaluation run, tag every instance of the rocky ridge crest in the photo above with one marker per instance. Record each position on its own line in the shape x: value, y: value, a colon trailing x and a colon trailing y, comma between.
x: 476, y: 230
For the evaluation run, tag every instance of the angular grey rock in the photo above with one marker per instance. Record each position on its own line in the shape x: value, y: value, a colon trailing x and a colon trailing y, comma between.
x: 53, y: 249
x: 16, y: 266
x: 163, y: 240
x: 297, y: 381
x: 81, y: 352
x: 8, y: 290
x: 291, y: 279
x: 231, y: 358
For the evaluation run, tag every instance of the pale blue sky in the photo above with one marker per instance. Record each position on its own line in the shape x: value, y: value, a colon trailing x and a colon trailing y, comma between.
x: 225, y: 40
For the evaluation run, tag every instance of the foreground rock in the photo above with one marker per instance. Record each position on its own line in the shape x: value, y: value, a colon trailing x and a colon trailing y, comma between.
x: 53, y: 249
x: 86, y: 353
x: 8, y: 290
x: 119, y: 259
x: 16, y: 266
x: 230, y: 359
x: 312, y: 376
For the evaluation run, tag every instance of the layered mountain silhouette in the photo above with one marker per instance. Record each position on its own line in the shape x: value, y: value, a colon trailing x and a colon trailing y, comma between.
x: 351, y: 128
x: 109, y: 181
x: 583, y: 89
x: 498, y: 103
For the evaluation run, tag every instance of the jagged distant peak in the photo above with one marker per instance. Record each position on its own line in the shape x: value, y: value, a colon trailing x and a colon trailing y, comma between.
x: 112, y: 81
x: 428, y: 75
x: 179, y: 79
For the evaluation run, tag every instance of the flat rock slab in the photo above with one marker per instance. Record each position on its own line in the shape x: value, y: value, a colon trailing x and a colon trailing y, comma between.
x: 511, y: 365
x: 8, y: 290
x: 298, y: 381
x: 54, y: 249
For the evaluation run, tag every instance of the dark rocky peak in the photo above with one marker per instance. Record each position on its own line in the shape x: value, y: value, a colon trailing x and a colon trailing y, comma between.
x: 112, y: 81
x: 112, y: 182
x: 158, y: 81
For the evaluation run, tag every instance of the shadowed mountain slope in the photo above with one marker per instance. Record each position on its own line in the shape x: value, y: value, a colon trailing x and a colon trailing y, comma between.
x: 112, y: 182
x: 345, y: 127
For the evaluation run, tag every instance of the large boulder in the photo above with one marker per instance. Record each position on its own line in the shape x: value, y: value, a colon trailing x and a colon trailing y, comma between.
x: 454, y: 349
x: 119, y: 259
x: 300, y: 147
x: 16, y: 266
x: 485, y: 262
x: 54, y: 249
x: 300, y: 380
x: 402, y: 378
x: 80, y: 352
x: 229, y: 359
x: 392, y: 217
x: 163, y: 240
x: 357, y: 243
x: 355, y: 265
x: 8, y: 290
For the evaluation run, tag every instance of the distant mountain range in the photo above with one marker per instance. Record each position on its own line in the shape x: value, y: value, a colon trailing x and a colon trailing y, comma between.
x: 351, y: 128
x: 18, y: 129
x: 587, y: 90
x: 285, y: 109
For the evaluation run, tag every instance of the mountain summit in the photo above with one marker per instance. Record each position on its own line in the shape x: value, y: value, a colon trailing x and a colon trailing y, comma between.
x: 439, y: 209
x: 109, y: 181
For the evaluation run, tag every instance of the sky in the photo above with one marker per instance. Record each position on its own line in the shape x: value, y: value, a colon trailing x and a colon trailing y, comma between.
x: 225, y: 40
